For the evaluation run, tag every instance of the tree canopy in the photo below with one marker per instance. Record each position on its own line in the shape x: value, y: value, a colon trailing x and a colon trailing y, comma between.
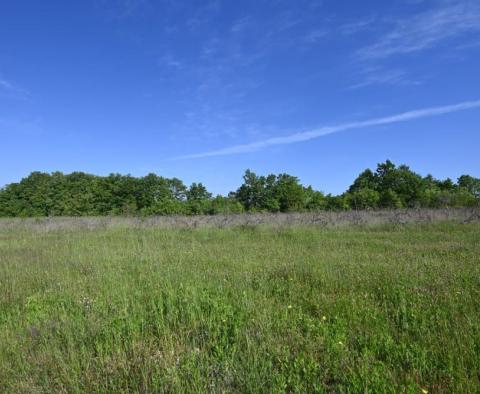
x: 81, y: 194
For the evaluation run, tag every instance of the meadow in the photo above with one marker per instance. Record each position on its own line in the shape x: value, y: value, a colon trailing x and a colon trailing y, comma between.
x: 304, y: 308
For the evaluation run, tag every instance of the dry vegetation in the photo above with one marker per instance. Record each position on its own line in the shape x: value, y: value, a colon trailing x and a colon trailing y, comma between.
x: 321, y: 218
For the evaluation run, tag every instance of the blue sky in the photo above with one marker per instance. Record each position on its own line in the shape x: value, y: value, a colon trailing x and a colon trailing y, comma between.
x: 203, y: 90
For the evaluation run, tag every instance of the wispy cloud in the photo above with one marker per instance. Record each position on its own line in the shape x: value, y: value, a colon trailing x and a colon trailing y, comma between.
x: 169, y: 61
x: 426, y: 30
x: 315, y: 35
x: 357, y: 26
x: 10, y: 90
x: 377, y: 76
x: 122, y: 9
x: 323, y: 131
x: 227, y: 65
x: 5, y: 85
x: 241, y: 24
x: 203, y: 15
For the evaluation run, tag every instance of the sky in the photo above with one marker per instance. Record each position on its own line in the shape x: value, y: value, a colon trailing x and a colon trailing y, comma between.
x: 203, y: 90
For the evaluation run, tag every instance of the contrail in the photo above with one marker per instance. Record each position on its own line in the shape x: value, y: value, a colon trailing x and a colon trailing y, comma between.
x: 322, y: 131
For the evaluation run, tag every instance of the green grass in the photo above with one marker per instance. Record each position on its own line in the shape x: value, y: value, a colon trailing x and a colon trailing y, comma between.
x: 379, y: 309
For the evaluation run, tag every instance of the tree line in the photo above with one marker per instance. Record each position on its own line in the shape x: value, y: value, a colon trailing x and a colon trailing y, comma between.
x: 81, y: 194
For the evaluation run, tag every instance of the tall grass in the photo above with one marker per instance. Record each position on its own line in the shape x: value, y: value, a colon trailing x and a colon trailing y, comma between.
x: 390, y: 308
x: 319, y: 218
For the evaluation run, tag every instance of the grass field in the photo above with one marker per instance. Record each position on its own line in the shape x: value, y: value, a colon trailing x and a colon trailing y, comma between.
x: 243, y: 309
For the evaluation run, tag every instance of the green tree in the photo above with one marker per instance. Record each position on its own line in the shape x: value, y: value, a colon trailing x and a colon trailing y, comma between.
x: 251, y: 194
x: 289, y: 193
x: 390, y: 199
x: 79, y: 194
x: 366, y: 180
x: 198, y: 192
x: 225, y: 205
x: 314, y: 200
x: 470, y: 184
x: 364, y: 198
